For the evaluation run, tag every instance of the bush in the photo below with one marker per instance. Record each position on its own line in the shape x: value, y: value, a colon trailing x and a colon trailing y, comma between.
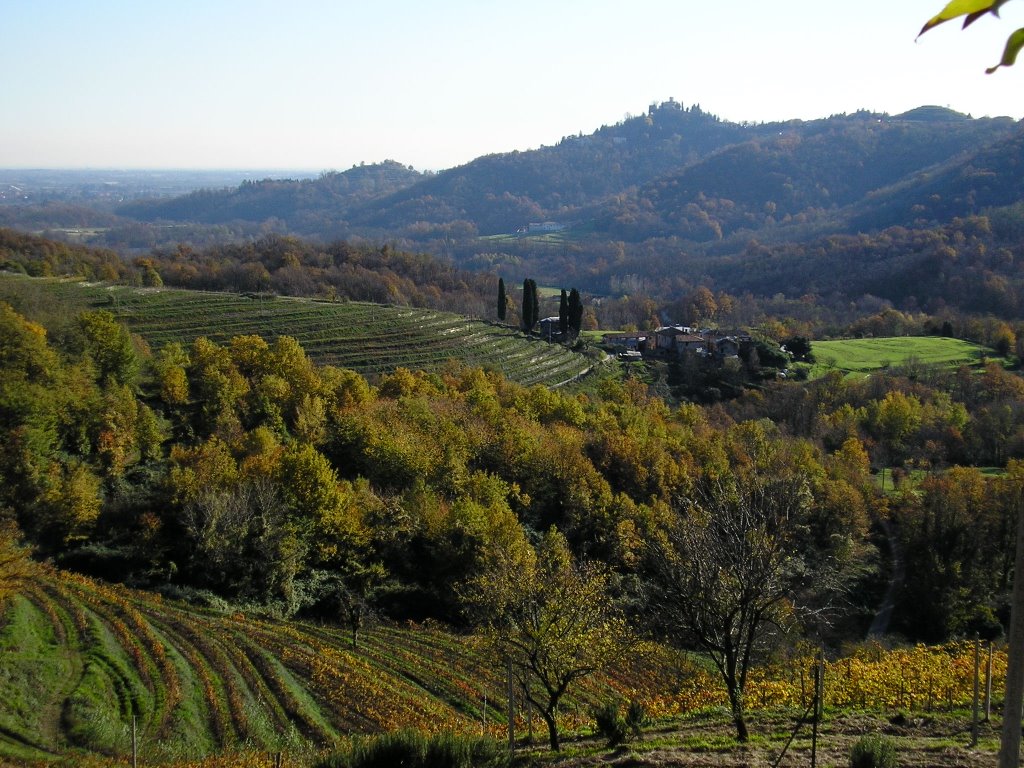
x: 636, y: 718
x: 413, y: 749
x: 610, y: 723
x: 873, y: 751
x: 616, y: 728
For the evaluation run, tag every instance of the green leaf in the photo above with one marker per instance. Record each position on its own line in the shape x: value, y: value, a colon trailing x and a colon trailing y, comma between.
x: 973, y: 9
x: 1013, y: 46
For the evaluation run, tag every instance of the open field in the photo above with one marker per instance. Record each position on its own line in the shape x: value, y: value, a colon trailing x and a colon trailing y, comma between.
x: 864, y: 356
x: 368, y: 338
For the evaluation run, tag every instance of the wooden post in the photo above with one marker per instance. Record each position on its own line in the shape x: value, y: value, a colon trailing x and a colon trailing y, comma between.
x: 135, y: 744
x: 511, y: 714
x: 977, y: 691
x: 988, y: 684
x: 819, y: 667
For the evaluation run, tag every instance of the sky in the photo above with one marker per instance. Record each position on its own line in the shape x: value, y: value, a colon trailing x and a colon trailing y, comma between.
x: 326, y: 84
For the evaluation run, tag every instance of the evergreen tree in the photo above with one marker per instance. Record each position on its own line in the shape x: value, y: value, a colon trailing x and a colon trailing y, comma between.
x: 563, y: 314
x: 574, y: 313
x: 501, y: 299
x: 531, y: 304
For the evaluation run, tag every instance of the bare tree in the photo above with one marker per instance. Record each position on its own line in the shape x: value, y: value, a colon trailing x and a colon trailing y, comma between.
x: 725, y: 573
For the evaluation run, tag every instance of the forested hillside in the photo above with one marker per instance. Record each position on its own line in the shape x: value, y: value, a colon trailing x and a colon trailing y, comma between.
x: 237, y: 473
x: 804, y: 173
x: 311, y: 206
x: 656, y: 205
x: 674, y: 171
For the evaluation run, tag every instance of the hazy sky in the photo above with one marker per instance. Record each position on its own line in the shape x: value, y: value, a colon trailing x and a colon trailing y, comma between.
x: 325, y: 84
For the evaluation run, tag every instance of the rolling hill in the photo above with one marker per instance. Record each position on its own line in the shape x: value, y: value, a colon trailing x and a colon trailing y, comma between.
x: 674, y: 171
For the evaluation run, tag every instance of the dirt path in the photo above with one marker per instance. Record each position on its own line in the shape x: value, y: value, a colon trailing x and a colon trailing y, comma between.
x: 920, y: 743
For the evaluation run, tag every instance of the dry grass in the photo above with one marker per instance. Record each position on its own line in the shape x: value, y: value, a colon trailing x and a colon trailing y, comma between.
x: 920, y: 741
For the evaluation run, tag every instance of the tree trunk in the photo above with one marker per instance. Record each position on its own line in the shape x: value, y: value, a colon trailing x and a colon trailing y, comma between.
x: 736, y: 704
x: 549, y: 718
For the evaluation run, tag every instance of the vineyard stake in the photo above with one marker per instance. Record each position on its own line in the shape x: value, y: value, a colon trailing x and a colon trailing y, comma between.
x: 135, y: 746
x: 511, y: 714
x: 799, y: 724
x: 988, y: 683
x: 819, y: 668
x: 977, y: 690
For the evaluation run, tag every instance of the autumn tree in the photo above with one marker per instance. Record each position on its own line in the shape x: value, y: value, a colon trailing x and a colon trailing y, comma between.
x: 552, y: 617
x: 725, y: 572
x: 15, y: 565
x: 109, y: 345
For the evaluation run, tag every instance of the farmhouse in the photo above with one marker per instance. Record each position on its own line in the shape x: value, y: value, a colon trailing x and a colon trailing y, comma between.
x: 628, y: 342
x: 690, y: 343
x: 665, y: 337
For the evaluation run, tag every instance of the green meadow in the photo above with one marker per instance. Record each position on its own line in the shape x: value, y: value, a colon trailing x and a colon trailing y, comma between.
x: 864, y: 356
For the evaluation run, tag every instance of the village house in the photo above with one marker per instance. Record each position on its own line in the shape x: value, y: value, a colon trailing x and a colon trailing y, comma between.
x: 690, y: 343
x: 626, y: 342
x: 665, y: 337
x: 723, y: 346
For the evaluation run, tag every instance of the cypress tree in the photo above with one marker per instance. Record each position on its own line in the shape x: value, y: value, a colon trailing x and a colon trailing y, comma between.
x: 501, y: 299
x: 563, y: 314
x: 526, y: 316
x: 574, y: 313
x: 529, y: 314
x: 534, y: 302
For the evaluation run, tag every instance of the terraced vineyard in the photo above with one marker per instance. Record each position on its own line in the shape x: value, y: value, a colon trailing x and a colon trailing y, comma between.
x: 368, y: 338
x: 81, y: 659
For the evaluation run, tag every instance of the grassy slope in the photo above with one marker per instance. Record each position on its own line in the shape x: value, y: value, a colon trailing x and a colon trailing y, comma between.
x: 82, y: 658
x: 861, y: 356
x: 368, y: 338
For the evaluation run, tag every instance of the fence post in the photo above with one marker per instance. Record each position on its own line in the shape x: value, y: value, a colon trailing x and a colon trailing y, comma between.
x: 511, y: 714
x: 988, y: 683
x: 977, y: 690
x: 819, y: 688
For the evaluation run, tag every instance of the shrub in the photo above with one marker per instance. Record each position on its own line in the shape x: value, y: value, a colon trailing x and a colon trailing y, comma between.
x: 636, y: 718
x: 610, y: 724
x: 413, y: 749
x: 616, y: 728
x: 873, y: 751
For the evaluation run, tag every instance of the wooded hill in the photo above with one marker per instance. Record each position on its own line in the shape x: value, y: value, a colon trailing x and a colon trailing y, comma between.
x: 674, y: 171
